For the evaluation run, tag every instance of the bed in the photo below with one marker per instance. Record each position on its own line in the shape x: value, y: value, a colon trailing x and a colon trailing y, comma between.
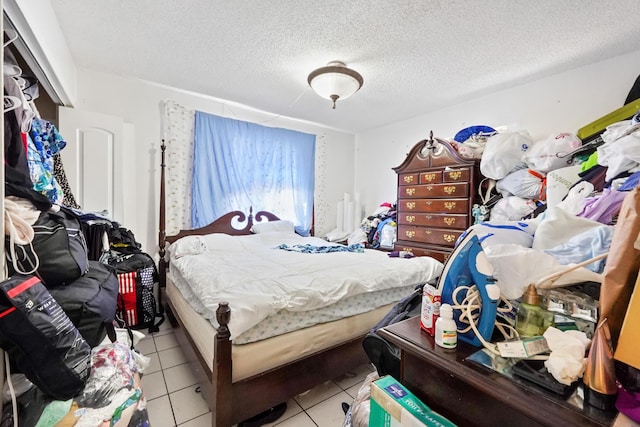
x: 243, y: 370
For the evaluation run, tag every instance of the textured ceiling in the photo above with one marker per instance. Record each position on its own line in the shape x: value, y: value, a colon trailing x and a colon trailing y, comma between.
x: 415, y: 56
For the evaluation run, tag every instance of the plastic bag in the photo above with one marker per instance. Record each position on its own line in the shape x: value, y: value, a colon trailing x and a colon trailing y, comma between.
x: 544, y: 156
x: 503, y: 153
x: 525, y: 183
x: 621, y: 151
x: 589, y: 244
x: 512, y: 208
x: 558, y: 226
x: 497, y: 232
x: 388, y: 235
x: 515, y: 267
x: 358, y: 413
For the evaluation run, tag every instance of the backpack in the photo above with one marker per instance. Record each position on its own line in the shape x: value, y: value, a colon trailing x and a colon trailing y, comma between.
x: 90, y: 301
x: 384, y: 355
x: 58, y: 252
x: 40, y: 339
x: 137, y: 276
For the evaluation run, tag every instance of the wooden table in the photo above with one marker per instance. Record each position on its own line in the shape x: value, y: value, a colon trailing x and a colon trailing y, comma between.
x: 471, y: 395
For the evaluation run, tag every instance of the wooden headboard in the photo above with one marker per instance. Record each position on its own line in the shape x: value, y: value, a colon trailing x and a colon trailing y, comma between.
x: 226, y: 224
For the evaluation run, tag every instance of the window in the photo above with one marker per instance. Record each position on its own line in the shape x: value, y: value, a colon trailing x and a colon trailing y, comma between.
x: 237, y: 165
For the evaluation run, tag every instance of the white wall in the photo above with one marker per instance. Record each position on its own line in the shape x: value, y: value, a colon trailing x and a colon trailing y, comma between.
x: 139, y: 103
x: 561, y: 103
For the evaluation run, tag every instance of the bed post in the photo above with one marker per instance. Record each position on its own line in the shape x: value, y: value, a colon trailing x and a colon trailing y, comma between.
x: 222, y: 369
x: 162, y: 265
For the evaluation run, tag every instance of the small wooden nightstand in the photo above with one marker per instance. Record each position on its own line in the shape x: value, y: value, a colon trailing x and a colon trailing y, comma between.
x: 470, y: 395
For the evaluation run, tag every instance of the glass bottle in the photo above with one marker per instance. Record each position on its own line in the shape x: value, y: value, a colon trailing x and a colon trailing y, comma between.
x: 532, y: 319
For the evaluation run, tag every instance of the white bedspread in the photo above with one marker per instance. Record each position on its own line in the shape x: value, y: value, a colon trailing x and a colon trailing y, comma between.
x: 258, y: 280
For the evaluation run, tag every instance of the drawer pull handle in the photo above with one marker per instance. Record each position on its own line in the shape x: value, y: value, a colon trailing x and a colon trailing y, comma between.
x: 449, y: 220
x: 428, y: 217
x: 408, y: 249
x: 410, y: 234
x: 427, y: 232
x: 410, y: 191
x: 429, y: 177
x: 455, y: 175
x: 450, y: 189
x: 428, y: 202
x: 408, y: 179
x: 449, y: 238
x: 410, y: 218
x: 410, y: 205
x: 449, y: 205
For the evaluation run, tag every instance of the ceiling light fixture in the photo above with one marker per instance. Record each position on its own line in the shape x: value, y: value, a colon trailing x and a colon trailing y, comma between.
x: 335, y: 81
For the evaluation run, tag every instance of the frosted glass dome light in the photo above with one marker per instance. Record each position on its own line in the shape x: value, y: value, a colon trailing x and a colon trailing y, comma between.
x: 335, y: 81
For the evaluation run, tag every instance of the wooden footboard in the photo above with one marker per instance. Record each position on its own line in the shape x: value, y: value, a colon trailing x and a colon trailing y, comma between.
x: 231, y: 403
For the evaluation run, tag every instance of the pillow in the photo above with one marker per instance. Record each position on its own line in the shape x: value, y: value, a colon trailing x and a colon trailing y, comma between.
x: 273, y: 226
x: 189, y: 245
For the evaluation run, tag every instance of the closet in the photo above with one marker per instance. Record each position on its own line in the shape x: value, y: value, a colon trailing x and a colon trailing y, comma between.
x: 41, y: 73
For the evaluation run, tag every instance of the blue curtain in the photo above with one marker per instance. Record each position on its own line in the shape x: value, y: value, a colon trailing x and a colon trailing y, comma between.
x: 237, y: 165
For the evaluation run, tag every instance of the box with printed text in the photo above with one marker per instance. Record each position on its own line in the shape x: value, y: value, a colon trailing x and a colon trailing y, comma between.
x: 392, y: 405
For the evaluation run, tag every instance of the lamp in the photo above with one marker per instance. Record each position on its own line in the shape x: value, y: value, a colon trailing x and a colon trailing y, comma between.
x: 335, y: 81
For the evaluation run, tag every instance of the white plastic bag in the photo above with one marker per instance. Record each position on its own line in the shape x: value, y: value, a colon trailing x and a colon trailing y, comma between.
x: 558, y: 227
x: 499, y: 232
x: 515, y: 267
x: 512, y: 208
x: 544, y: 156
x: 621, y: 151
x: 503, y: 152
x: 525, y: 183
x: 388, y: 235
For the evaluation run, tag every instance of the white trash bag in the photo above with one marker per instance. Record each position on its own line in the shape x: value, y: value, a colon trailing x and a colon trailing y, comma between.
x: 525, y: 183
x: 503, y: 153
x: 512, y: 208
x: 552, y: 153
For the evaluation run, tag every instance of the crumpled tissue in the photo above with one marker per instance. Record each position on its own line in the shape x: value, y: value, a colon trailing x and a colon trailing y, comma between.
x: 566, y: 362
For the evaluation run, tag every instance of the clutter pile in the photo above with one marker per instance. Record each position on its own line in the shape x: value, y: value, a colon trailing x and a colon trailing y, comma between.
x: 551, y: 261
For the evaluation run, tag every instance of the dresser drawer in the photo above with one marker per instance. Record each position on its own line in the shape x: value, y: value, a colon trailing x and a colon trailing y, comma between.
x: 431, y: 177
x: 433, y: 236
x: 434, y: 220
x: 456, y: 175
x: 438, y: 254
x: 460, y: 189
x: 450, y: 206
x: 408, y: 179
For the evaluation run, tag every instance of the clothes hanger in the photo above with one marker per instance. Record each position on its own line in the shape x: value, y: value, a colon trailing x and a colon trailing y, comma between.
x: 11, y: 103
x: 12, y: 35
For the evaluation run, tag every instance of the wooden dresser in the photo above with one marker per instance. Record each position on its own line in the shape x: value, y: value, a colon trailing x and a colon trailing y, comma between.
x: 436, y: 192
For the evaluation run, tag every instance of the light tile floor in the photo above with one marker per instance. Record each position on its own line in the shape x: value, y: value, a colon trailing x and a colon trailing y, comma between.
x: 172, y: 400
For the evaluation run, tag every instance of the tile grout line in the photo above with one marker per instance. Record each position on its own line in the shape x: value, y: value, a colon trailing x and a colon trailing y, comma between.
x: 175, y: 423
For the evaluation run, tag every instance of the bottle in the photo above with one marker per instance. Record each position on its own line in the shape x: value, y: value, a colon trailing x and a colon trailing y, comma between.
x: 446, y: 335
x: 431, y: 299
x: 532, y: 319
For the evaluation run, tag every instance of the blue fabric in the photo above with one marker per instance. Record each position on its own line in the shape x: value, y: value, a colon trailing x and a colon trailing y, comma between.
x: 631, y: 182
x: 237, y: 165
x: 312, y: 249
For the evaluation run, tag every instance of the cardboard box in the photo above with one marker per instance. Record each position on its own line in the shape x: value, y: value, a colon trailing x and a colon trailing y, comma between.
x: 627, y: 348
x: 392, y: 405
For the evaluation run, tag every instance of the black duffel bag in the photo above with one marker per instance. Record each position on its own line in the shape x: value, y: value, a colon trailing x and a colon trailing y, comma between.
x: 58, y: 252
x: 40, y: 339
x: 90, y: 301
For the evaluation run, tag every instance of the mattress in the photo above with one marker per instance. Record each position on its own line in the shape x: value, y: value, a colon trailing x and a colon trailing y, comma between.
x: 254, y: 358
x: 277, y: 291
x: 286, y: 321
